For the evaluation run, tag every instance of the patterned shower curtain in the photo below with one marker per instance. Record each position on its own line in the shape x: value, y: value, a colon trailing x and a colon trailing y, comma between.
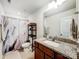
x: 15, y: 33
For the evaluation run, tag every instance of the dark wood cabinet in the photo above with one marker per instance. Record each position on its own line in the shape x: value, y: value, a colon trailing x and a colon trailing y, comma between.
x: 59, y: 56
x: 48, y: 57
x: 39, y: 54
x: 43, y: 52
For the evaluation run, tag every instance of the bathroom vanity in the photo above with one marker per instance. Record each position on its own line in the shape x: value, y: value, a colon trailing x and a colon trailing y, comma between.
x: 45, y: 49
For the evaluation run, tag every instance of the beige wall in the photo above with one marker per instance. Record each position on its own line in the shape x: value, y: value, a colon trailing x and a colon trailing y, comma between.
x: 39, y: 17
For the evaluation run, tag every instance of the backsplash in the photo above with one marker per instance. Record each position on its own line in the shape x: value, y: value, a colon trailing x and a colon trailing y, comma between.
x: 66, y: 40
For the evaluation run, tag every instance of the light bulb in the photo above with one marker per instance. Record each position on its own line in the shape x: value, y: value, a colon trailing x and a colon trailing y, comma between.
x: 59, y: 2
x: 52, y: 5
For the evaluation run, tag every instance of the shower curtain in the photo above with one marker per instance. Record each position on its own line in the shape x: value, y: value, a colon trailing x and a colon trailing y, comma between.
x: 15, y: 33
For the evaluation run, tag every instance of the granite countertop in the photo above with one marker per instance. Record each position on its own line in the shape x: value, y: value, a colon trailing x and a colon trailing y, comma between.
x: 67, y: 50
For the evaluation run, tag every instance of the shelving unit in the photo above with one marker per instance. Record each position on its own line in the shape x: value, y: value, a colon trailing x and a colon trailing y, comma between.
x: 32, y: 33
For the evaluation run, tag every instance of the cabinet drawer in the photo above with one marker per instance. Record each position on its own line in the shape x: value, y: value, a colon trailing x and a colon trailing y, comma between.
x: 48, y: 52
x: 59, y: 56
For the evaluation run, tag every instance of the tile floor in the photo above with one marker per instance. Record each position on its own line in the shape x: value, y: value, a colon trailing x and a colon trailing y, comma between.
x: 26, y: 54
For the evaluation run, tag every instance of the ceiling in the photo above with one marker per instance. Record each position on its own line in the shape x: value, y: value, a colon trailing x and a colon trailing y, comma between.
x: 29, y: 6
x: 67, y: 5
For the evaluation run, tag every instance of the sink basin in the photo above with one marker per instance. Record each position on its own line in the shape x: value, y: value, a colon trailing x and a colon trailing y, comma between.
x: 51, y: 43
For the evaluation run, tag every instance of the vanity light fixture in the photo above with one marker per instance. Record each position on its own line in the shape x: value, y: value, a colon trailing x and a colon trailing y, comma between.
x: 54, y: 4
x: 59, y: 2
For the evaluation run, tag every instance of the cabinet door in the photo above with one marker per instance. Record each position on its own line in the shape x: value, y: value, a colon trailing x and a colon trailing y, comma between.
x: 48, y: 57
x: 39, y: 54
x: 58, y: 56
